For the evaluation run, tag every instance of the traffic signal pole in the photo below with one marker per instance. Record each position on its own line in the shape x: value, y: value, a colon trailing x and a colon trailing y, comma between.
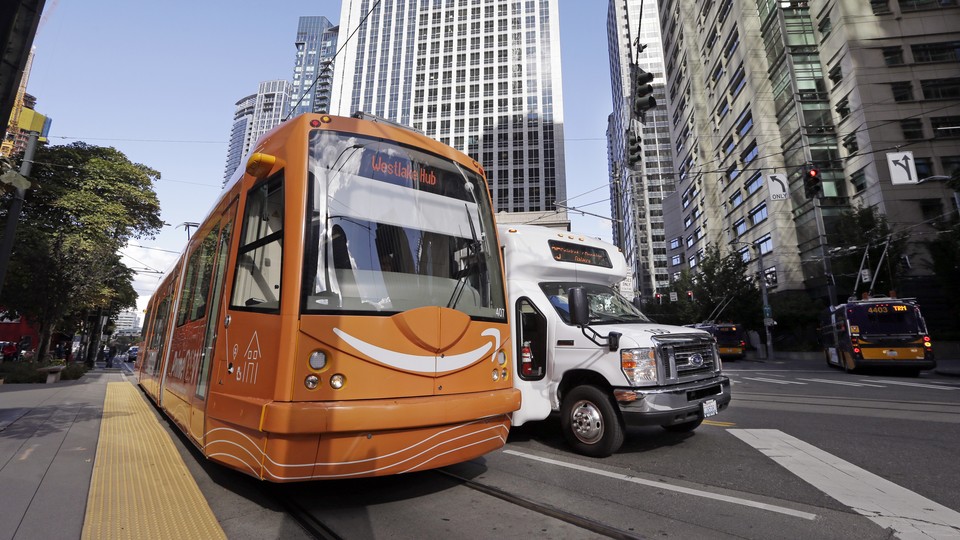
x: 13, y: 215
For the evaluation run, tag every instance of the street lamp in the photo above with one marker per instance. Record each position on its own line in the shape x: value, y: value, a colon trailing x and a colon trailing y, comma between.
x: 956, y: 197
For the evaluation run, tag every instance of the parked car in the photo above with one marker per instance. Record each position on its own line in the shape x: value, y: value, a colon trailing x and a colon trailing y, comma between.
x: 132, y: 353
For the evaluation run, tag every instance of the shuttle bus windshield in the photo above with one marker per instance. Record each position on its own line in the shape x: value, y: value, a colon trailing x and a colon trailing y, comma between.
x: 607, y: 306
x: 392, y: 228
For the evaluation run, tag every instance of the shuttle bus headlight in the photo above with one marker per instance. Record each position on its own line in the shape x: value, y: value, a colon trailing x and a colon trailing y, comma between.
x: 496, y: 375
x: 501, y: 358
x: 639, y: 365
x: 311, y: 382
x: 318, y: 360
x: 504, y: 374
x: 337, y: 381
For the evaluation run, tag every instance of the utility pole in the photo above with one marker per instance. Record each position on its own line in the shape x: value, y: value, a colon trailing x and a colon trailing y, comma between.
x: 20, y: 184
x: 767, y: 311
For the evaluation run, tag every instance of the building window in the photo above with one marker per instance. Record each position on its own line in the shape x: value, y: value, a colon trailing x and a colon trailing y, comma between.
x: 851, y: 144
x: 912, y: 129
x: 744, y: 123
x: 836, y: 74
x: 736, y: 199
x: 675, y: 260
x: 675, y: 243
x: 754, y: 183
x: 740, y: 227
x: 936, y: 52
x: 945, y: 127
x: 750, y: 154
x: 765, y: 244
x: 902, y: 91
x: 843, y: 108
x: 825, y: 27
x: 924, y: 167
x: 880, y: 7
x: 893, y: 56
x: 920, y: 5
x: 758, y: 214
x: 941, y: 88
x: 859, y: 181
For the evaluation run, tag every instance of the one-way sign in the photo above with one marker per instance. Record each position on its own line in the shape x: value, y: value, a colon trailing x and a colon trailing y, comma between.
x: 902, y: 168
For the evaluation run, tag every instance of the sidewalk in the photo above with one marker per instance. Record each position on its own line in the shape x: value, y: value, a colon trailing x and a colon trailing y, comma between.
x: 48, y: 444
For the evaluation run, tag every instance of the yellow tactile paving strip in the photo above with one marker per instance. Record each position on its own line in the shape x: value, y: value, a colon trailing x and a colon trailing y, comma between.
x: 140, y: 486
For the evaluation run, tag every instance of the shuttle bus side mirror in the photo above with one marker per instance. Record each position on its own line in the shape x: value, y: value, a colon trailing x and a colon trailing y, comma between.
x: 579, y: 308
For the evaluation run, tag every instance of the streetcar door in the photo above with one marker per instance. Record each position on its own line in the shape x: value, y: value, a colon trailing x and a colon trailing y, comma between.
x: 213, y: 323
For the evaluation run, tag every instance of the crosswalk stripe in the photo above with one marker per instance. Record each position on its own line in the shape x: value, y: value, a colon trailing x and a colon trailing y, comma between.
x: 882, y: 501
x: 844, y: 383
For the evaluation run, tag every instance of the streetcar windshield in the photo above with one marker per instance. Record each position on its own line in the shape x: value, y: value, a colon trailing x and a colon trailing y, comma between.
x: 393, y: 228
x: 885, y: 318
x: 606, y: 305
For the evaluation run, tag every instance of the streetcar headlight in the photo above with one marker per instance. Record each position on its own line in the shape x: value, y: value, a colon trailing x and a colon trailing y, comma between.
x: 311, y: 382
x: 336, y: 381
x: 501, y: 358
x: 318, y: 360
x: 496, y: 375
x: 639, y: 365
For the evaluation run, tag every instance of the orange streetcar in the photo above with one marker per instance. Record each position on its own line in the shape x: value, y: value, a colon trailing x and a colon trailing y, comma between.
x: 340, y: 313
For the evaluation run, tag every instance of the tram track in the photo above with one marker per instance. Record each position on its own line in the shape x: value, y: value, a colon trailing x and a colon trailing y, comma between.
x: 543, y: 509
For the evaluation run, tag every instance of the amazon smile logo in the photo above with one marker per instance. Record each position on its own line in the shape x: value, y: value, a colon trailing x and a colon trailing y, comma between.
x: 427, y: 363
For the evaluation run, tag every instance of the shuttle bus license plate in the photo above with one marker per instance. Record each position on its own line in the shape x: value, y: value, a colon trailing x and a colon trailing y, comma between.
x: 709, y: 408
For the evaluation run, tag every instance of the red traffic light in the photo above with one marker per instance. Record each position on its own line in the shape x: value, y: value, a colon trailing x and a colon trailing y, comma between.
x: 813, y: 173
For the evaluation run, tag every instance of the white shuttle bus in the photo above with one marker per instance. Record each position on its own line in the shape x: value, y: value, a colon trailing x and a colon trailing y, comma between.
x: 585, y: 351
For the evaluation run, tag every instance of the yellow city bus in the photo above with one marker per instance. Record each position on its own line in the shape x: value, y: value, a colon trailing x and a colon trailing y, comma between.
x: 876, y: 332
x: 340, y: 313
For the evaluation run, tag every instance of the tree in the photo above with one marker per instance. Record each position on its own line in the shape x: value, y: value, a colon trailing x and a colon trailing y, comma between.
x: 87, y: 203
x: 722, y: 290
x: 863, y: 235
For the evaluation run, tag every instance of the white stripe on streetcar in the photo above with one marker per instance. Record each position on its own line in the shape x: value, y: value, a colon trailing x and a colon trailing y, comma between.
x: 885, y: 503
x: 668, y: 487
x: 777, y: 381
x: 844, y: 383
x: 918, y: 385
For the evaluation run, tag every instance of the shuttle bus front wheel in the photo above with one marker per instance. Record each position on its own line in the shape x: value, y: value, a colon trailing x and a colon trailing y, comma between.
x: 590, y: 422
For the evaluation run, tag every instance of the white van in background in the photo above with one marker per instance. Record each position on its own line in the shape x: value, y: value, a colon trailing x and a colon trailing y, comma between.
x: 585, y: 351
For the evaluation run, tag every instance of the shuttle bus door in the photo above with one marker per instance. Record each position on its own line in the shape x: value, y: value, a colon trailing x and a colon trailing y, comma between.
x: 531, y: 362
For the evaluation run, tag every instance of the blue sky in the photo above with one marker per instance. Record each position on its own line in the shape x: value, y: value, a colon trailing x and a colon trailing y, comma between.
x: 158, y: 81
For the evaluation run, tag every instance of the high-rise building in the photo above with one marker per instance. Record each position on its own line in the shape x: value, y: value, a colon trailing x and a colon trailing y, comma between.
x: 640, y: 175
x: 316, y: 45
x: 255, y: 115
x: 762, y: 91
x: 481, y: 77
x: 239, y: 134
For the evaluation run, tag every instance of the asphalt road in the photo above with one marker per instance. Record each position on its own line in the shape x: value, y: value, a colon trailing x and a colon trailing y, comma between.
x: 803, y: 451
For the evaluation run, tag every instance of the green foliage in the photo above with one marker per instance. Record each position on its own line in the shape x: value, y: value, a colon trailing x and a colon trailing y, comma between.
x: 722, y: 290
x: 88, y: 201
x: 865, y: 230
x: 797, y: 317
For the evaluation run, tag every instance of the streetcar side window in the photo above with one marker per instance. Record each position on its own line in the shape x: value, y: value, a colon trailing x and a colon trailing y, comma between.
x: 257, y: 278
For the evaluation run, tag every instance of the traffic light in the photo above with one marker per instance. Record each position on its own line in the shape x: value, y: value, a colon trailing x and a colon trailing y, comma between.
x: 659, y: 298
x: 634, y: 149
x: 689, y: 295
x: 812, y: 187
x: 642, y: 91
